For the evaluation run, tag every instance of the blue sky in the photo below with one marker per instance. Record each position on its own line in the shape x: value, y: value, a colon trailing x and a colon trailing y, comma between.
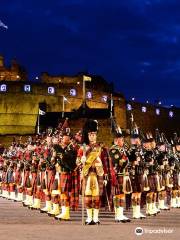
x: 133, y: 43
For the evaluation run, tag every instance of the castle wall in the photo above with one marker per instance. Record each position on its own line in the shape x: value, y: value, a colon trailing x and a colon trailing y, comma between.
x: 19, y: 110
x: 149, y: 120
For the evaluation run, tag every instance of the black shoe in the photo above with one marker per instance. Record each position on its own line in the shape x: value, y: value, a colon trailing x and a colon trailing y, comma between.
x: 118, y: 221
x: 41, y: 211
x: 89, y: 223
x: 51, y: 215
x: 128, y: 220
x: 96, y: 223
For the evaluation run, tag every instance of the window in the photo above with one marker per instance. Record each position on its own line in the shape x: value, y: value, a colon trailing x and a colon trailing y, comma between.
x: 89, y: 95
x: 129, y: 107
x: 27, y: 88
x: 104, y: 98
x: 73, y: 92
x: 51, y: 90
x: 3, y: 88
x: 144, y: 109
x: 157, y: 111
x: 171, y: 114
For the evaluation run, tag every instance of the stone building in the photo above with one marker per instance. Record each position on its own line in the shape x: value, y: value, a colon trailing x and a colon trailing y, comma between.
x: 13, y: 73
x: 69, y: 96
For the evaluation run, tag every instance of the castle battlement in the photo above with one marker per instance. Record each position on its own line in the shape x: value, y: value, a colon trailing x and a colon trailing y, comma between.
x: 13, y: 73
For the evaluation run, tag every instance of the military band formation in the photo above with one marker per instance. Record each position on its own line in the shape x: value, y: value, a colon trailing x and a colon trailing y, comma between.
x: 57, y: 172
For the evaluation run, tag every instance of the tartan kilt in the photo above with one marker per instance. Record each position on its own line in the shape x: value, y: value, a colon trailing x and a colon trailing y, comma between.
x: 119, y: 186
x: 26, y: 182
x: 38, y: 180
x: 137, y: 183
x: 160, y: 183
x: 34, y: 182
x: 75, y: 190
x: 18, y: 178
x: 50, y: 180
x: 163, y: 180
x: 153, y: 184
x: 42, y: 180
x: 175, y: 181
x: 65, y: 182
x: 100, y: 184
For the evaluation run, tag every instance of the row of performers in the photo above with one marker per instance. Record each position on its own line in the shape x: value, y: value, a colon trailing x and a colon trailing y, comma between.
x: 142, y: 174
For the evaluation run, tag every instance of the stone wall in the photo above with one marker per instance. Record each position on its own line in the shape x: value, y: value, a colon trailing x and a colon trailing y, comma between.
x: 19, y: 110
x: 13, y: 73
x: 149, y: 120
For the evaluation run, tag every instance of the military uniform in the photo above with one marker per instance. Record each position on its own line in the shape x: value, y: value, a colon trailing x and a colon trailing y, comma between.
x: 122, y: 184
x: 48, y: 179
x: 136, y: 173
x: 19, y: 175
x: 93, y: 172
x: 153, y: 183
x: 5, y: 185
x: 66, y: 161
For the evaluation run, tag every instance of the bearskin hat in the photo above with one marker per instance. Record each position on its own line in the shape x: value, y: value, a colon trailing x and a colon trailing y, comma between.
x: 176, y: 139
x: 147, y: 138
x: 171, y: 161
x: 118, y: 133
x: 135, y: 132
x: 89, y: 126
x: 148, y: 156
x: 159, y: 138
x: 160, y: 158
x: 132, y: 156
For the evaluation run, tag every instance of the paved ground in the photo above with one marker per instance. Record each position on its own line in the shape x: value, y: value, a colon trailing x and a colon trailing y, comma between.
x: 20, y: 223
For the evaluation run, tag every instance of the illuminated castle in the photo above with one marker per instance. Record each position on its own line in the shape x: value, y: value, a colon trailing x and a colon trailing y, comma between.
x: 65, y: 96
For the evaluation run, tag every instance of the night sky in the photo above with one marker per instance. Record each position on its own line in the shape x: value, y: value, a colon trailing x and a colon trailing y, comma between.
x: 133, y: 43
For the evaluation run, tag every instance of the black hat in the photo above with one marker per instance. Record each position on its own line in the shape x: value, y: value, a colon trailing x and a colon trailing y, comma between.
x: 135, y: 132
x: 151, y: 138
x: 160, y: 158
x: 148, y: 156
x: 118, y: 133
x: 148, y: 138
x: 89, y: 126
x: 171, y: 161
x: 132, y: 156
x: 134, y: 128
x: 176, y: 139
x: 159, y: 138
x: 145, y: 138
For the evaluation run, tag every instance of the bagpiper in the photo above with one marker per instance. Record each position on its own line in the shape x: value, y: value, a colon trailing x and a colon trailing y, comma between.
x: 65, y: 155
x: 136, y: 172
x: 151, y: 171
x: 48, y: 174
x: 122, y: 186
x: 162, y: 160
